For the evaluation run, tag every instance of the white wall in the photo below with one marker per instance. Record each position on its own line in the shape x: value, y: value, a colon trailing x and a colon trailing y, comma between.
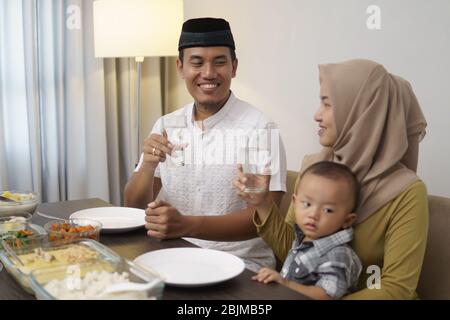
x: 280, y: 43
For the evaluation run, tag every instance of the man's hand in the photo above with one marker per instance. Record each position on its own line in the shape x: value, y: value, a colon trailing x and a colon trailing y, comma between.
x: 164, y: 221
x: 266, y: 275
x: 155, y: 149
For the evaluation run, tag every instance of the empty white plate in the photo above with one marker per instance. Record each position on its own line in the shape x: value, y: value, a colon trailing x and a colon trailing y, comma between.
x: 192, y: 267
x: 114, y: 219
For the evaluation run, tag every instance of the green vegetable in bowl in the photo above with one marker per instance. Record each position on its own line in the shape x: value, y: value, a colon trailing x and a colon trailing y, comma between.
x: 17, y: 239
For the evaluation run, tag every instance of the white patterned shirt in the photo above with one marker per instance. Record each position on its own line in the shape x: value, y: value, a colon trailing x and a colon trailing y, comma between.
x: 204, y: 185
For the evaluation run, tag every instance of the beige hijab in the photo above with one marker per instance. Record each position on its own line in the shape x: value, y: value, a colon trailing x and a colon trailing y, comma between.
x: 379, y: 125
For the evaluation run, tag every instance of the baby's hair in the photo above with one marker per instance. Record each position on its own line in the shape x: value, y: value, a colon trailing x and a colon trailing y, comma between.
x: 335, y: 171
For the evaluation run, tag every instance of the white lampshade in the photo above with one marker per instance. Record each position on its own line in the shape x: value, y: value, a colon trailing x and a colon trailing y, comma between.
x: 137, y: 28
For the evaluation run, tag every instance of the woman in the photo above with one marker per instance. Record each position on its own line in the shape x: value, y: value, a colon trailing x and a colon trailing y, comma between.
x: 370, y: 121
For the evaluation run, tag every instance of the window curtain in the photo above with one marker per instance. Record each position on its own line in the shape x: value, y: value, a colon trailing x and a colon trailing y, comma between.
x: 68, y: 126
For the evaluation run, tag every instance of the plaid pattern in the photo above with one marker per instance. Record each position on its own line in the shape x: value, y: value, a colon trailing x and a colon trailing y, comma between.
x: 328, y: 262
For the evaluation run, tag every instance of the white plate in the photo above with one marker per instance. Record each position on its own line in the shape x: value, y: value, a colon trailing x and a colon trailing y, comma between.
x: 114, y: 219
x: 192, y: 267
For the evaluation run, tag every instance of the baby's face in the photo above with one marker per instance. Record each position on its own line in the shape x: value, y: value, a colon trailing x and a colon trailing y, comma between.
x: 322, y: 206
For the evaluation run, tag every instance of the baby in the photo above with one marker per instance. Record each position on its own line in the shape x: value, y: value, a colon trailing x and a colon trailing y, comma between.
x: 321, y: 264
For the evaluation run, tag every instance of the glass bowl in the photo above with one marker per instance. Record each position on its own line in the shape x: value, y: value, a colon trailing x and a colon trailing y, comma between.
x: 26, y: 202
x: 14, y: 222
x: 46, y: 254
x: 21, y: 235
x: 88, y: 280
x: 67, y: 231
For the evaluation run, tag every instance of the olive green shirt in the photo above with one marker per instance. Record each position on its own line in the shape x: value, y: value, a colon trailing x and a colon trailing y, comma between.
x: 393, y: 238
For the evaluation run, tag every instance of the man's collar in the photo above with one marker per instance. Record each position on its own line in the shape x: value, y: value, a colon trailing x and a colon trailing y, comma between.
x: 212, y: 120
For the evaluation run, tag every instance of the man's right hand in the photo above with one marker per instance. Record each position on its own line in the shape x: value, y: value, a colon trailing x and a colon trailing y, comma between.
x: 164, y: 221
x: 156, y: 147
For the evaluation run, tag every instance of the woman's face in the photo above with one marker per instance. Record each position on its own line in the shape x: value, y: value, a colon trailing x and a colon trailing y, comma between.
x: 325, y: 117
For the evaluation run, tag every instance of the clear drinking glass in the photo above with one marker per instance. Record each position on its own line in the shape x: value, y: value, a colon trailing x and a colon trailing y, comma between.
x: 176, y: 130
x: 256, y: 165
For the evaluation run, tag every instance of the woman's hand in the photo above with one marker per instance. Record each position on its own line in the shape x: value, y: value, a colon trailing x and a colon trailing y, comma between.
x: 266, y: 275
x: 252, y: 198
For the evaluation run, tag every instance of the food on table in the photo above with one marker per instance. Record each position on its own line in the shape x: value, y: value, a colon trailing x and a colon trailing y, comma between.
x: 19, y: 204
x: 67, y: 231
x: 40, y: 258
x: 22, y: 233
x: 16, y: 219
x: 70, y: 228
x: 12, y: 223
x: 16, y: 196
x: 92, y: 286
x: 17, y: 239
x: 19, y: 234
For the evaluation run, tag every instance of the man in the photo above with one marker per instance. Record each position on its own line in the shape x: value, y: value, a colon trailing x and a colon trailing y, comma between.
x: 198, y: 199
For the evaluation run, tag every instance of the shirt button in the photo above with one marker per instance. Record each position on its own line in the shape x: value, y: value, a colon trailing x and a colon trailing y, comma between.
x: 297, y: 270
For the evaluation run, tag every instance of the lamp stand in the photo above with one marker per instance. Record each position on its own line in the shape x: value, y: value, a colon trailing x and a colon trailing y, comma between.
x: 139, y: 61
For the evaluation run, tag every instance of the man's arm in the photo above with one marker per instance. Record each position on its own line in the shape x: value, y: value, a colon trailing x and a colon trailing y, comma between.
x: 164, y: 222
x: 142, y: 188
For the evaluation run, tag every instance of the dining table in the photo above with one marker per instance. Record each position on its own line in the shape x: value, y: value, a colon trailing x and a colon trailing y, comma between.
x: 133, y: 243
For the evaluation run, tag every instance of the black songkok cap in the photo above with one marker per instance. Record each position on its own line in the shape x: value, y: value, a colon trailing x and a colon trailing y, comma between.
x: 206, y: 32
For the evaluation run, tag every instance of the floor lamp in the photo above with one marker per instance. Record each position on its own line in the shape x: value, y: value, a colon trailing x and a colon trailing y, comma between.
x: 137, y: 28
